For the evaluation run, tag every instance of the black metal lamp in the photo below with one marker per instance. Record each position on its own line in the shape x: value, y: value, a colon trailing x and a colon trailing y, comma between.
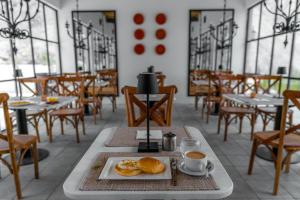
x: 281, y: 71
x: 150, y: 69
x: 19, y: 74
x: 147, y: 84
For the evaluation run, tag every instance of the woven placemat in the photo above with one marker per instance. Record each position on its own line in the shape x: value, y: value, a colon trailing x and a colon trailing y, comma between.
x: 126, y: 137
x: 184, y: 182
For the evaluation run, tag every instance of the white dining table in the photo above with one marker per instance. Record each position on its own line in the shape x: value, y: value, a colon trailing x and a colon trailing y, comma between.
x: 73, y: 182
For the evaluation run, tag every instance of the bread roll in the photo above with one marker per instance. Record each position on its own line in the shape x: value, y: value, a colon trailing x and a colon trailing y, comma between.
x: 127, y: 168
x: 150, y: 165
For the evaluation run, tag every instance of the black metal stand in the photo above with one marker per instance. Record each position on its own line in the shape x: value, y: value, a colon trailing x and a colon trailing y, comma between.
x: 148, y: 146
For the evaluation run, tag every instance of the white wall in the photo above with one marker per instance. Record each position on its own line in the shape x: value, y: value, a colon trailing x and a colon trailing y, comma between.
x: 174, y: 63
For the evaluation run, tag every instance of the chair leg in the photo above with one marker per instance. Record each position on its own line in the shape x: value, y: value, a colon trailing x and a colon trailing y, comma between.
x: 208, y: 112
x: 241, y: 124
x: 62, y: 125
x: 219, y: 121
x: 288, y: 162
x: 36, y: 127
x: 277, y: 174
x: 35, y: 160
x: 253, y: 120
x: 76, y: 128
x: 46, y: 122
x: 83, y: 124
x: 16, y: 175
x: 50, y: 129
x: 226, y: 126
x: 202, y: 110
x: 252, y: 156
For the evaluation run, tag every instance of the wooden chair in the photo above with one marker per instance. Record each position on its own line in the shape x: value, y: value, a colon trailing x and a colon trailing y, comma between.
x: 35, y: 116
x: 88, y: 97
x: 230, y: 112
x: 110, y: 90
x: 199, y: 90
x: 69, y: 86
x: 160, y: 112
x: 10, y: 144
x: 285, y: 139
x: 265, y: 84
x: 74, y: 74
x: 212, y: 97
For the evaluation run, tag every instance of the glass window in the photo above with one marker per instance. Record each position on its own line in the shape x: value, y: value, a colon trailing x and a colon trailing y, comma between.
x: 264, y: 56
x: 37, y: 23
x: 282, y: 54
x: 51, y: 24
x: 40, y: 56
x: 54, y: 58
x: 251, y: 57
x: 296, y: 61
x: 253, y: 22
x: 8, y: 87
x: 6, y: 67
x: 267, y: 20
x: 24, y: 57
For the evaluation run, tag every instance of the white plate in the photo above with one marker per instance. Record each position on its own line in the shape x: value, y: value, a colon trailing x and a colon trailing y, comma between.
x: 184, y: 170
x: 108, y: 172
x: 154, y: 134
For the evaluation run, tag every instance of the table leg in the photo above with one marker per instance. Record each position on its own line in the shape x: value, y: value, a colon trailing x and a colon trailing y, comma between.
x: 23, y: 130
x: 264, y: 153
x: 196, y: 102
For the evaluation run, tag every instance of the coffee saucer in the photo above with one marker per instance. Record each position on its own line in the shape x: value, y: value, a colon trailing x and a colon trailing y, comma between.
x: 183, y: 169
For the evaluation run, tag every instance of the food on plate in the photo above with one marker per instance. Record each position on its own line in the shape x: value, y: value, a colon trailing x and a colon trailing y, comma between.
x: 150, y: 165
x: 253, y: 95
x: 127, y: 168
x: 52, y: 99
x: 20, y: 103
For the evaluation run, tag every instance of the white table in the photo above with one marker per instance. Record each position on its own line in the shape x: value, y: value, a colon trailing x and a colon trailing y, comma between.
x: 73, y: 182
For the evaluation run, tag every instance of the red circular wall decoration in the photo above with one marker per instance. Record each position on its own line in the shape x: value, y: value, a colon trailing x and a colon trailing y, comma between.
x: 161, y: 18
x: 139, y: 49
x: 139, y: 34
x: 138, y: 18
x: 160, y: 34
x: 160, y: 49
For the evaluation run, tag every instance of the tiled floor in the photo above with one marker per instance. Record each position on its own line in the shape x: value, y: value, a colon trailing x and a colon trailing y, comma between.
x: 234, y: 154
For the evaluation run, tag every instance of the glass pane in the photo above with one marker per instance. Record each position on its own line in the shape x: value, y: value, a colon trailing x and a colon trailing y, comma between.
x: 282, y: 54
x: 267, y: 20
x: 296, y: 62
x: 24, y: 57
x: 37, y: 23
x: 51, y: 24
x: 295, y: 85
x: 8, y: 87
x: 253, y: 23
x: 251, y: 57
x: 7, y: 71
x: 54, y: 58
x: 40, y: 56
x: 264, y: 56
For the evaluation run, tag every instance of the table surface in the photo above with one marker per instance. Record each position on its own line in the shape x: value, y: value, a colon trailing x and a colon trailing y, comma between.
x: 260, y: 100
x: 38, y: 104
x: 73, y: 182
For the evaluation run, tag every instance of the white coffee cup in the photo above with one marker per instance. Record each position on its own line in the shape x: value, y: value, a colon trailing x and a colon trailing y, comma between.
x: 195, y: 161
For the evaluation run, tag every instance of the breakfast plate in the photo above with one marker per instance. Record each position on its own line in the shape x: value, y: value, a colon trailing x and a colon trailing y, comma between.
x: 109, y: 173
x: 210, y: 167
x: 20, y: 103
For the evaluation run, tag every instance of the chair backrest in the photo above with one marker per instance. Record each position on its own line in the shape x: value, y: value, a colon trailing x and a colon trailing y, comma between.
x: 88, y: 85
x: 200, y: 74
x: 161, y: 79
x: 160, y: 112
x: 108, y: 75
x: 265, y: 84
x: 8, y: 136
x: 70, y: 86
x: 26, y: 83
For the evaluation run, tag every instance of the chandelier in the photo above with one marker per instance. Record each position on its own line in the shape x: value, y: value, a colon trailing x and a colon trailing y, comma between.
x: 225, y: 34
x: 79, y: 36
x: 14, y: 18
x: 289, y: 23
